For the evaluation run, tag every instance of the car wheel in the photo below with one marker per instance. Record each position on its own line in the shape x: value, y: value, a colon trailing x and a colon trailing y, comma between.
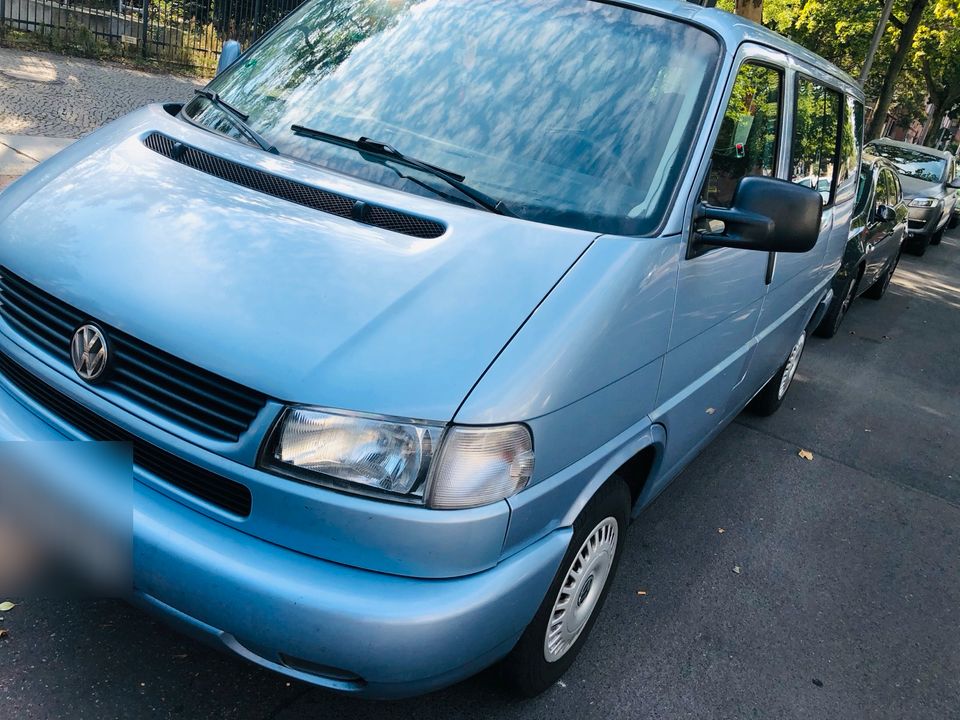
x: 918, y: 246
x: 954, y: 221
x: 937, y: 237
x: 877, y: 290
x: 841, y: 302
x: 570, y: 608
x: 770, y: 398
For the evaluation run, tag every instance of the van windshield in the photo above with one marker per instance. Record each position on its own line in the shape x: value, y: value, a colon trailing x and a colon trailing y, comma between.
x: 569, y: 112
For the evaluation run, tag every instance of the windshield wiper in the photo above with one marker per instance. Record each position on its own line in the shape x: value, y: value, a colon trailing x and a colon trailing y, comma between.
x: 367, y: 146
x: 238, y: 118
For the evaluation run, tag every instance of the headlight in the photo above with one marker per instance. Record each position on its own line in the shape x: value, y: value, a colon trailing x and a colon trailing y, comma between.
x: 403, y: 459
x: 923, y: 202
x: 354, y: 452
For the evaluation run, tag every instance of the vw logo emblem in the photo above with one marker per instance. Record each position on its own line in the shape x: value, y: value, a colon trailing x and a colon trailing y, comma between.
x: 89, y: 352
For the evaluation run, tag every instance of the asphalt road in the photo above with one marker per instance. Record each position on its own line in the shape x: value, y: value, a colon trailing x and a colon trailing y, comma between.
x: 847, y: 603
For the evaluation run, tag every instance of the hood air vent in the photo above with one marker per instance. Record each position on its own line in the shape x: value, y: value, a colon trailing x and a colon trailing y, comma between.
x: 292, y: 191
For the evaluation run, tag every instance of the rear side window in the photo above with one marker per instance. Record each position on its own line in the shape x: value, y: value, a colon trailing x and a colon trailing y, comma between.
x: 747, y: 142
x: 816, y: 131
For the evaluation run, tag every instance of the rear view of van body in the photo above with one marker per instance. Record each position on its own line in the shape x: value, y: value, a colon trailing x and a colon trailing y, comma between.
x: 415, y: 306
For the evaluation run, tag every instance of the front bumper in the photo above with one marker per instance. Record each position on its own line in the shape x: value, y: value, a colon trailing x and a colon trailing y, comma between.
x: 924, y: 222
x: 339, y: 627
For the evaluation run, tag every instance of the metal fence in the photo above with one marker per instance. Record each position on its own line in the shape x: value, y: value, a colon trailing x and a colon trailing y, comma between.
x: 177, y: 33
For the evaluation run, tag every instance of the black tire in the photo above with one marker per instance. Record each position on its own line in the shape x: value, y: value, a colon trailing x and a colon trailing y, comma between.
x: 841, y: 302
x: 918, y: 246
x: 770, y: 398
x: 937, y: 237
x: 877, y: 290
x: 954, y: 221
x: 526, y: 670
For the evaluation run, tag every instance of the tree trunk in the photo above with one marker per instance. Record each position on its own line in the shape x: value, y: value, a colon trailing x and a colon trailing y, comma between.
x: 907, y: 33
x: 751, y: 9
x: 933, y: 133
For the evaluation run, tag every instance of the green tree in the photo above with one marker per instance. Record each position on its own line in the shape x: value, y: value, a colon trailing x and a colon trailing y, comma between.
x: 937, y: 59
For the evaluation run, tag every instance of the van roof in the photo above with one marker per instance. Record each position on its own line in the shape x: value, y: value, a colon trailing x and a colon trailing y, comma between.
x: 735, y: 30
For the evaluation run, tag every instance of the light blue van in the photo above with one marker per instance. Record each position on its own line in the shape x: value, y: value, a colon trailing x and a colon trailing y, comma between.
x: 411, y: 310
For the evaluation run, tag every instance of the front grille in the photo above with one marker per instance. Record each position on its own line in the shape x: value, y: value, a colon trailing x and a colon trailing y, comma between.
x: 292, y: 191
x: 215, y: 489
x: 147, y: 376
x: 916, y: 224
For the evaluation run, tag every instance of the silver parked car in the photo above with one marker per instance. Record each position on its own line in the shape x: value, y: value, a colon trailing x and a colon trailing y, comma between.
x: 930, y: 183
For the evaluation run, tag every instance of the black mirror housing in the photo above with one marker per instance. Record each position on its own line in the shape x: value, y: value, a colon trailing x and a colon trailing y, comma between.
x: 885, y: 213
x: 954, y: 184
x: 769, y: 215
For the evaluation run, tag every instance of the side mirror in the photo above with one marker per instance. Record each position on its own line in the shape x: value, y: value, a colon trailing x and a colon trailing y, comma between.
x: 768, y: 215
x: 954, y: 184
x: 885, y: 213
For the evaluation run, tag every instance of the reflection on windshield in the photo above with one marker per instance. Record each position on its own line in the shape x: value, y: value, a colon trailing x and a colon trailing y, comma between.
x: 912, y: 163
x: 574, y: 113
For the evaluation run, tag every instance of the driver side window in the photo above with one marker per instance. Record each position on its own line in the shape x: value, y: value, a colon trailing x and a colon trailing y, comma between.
x: 749, y: 131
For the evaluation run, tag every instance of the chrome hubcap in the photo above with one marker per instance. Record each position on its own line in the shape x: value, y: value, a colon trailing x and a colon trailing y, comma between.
x: 581, y: 590
x: 791, y: 367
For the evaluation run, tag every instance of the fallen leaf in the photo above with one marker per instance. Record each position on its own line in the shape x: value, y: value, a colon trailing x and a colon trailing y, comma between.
x: 806, y: 454
x: 641, y: 592
x: 711, y: 411
x: 736, y: 569
x: 721, y: 531
x: 3, y: 633
x: 6, y: 606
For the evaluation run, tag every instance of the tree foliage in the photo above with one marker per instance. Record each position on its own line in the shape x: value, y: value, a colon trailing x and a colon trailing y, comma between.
x: 927, y: 68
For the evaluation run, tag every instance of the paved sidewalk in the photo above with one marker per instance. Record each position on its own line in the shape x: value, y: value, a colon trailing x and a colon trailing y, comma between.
x: 57, y: 96
x: 20, y: 153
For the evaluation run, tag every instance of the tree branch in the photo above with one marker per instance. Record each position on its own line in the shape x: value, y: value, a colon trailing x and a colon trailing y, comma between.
x: 933, y: 87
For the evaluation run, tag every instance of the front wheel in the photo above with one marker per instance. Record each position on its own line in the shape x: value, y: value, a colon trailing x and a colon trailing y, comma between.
x: 770, y: 398
x: 937, y: 237
x: 564, y: 619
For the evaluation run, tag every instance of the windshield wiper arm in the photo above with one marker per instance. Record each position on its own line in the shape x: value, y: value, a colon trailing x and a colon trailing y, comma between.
x: 238, y: 118
x: 382, y: 150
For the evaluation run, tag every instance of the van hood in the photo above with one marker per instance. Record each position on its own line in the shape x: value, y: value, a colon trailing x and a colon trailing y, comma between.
x: 301, y: 305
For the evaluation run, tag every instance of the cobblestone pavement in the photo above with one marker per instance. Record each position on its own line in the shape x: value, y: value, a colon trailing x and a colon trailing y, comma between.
x: 57, y: 96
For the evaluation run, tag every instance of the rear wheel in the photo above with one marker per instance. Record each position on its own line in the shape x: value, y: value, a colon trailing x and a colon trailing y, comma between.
x: 770, y: 398
x: 937, y: 237
x: 558, y: 631
x: 877, y: 290
x: 841, y: 302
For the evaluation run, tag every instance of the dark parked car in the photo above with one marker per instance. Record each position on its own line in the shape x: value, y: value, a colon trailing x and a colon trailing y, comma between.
x: 876, y: 236
x: 929, y: 179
